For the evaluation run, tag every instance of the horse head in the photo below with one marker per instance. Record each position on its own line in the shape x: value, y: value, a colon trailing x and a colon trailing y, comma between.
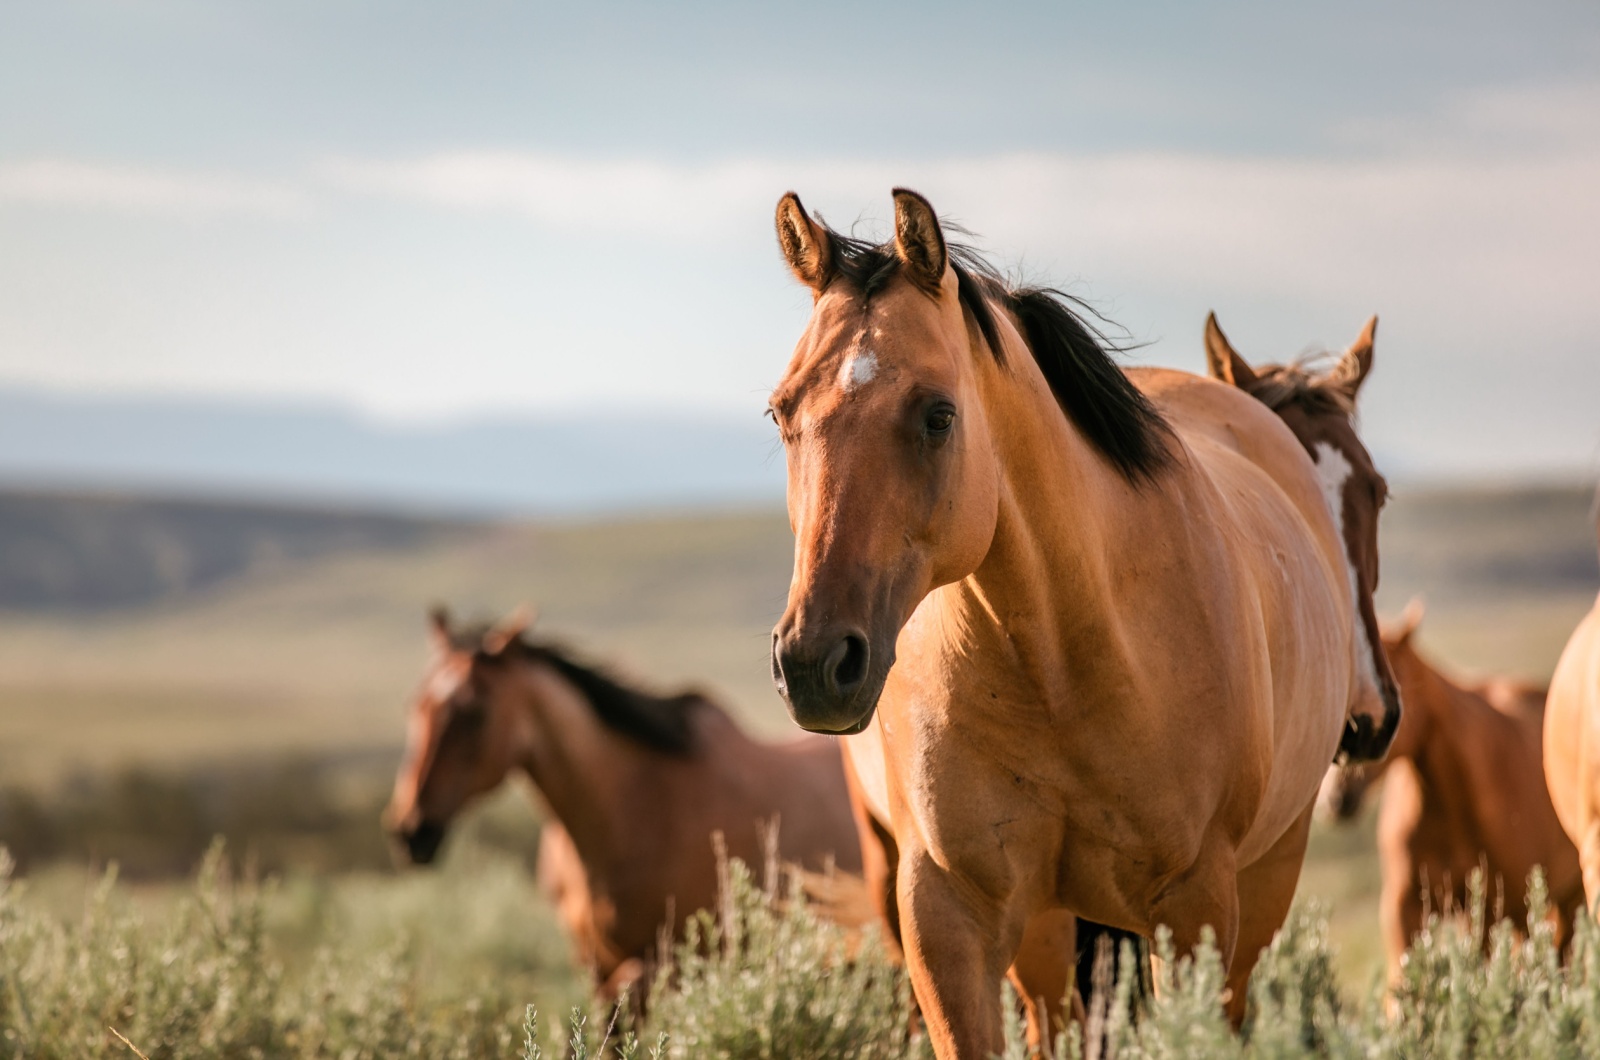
x: 459, y: 741
x: 893, y: 480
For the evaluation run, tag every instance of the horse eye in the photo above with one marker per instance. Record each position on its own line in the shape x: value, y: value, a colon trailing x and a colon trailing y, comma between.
x: 939, y: 420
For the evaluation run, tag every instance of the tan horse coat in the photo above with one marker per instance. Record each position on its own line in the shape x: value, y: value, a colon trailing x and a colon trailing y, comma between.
x: 1107, y: 699
x: 1572, y: 746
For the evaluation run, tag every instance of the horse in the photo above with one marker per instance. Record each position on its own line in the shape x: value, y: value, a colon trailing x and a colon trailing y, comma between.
x: 635, y: 787
x: 1088, y: 634
x: 1572, y: 745
x: 1321, y: 410
x: 1464, y: 791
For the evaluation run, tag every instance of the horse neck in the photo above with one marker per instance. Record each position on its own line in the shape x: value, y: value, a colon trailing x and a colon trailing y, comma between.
x: 1447, y: 763
x: 582, y: 768
x: 1062, y: 511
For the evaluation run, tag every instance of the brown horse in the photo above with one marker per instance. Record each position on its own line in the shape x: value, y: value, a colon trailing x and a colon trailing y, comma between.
x: 1572, y: 746
x: 635, y: 786
x: 1464, y: 791
x: 1320, y: 410
x: 1124, y: 631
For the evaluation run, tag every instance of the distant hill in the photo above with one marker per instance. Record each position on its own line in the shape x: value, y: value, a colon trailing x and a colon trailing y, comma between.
x: 545, y: 465
x: 74, y: 552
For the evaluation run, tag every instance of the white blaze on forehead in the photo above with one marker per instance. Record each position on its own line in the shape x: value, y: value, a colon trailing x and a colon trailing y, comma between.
x: 1333, y: 471
x: 858, y: 369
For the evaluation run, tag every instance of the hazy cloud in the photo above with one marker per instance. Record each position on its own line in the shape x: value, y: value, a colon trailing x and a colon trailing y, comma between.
x: 129, y: 188
x: 1522, y: 227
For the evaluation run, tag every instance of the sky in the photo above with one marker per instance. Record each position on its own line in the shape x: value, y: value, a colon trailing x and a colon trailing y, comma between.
x: 433, y: 212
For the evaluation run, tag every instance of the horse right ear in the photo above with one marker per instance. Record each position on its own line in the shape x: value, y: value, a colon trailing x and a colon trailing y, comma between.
x: 439, y: 628
x: 507, y: 630
x: 1223, y: 361
x: 1410, y: 620
x: 805, y: 244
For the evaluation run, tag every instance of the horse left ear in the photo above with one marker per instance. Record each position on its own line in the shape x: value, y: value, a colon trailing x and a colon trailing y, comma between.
x: 918, y: 240
x: 1223, y: 361
x: 508, y: 629
x: 439, y: 628
x: 1352, y: 369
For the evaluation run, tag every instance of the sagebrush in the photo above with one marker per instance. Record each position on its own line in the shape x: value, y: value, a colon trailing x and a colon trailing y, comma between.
x: 765, y: 977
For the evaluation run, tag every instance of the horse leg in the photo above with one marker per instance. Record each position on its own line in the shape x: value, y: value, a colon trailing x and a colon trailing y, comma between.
x: 1042, y: 973
x: 1400, y: 911
x: 1266, y: 891
x: 958, y: 944
x: 1207, y: 895
x: 1589, y: 859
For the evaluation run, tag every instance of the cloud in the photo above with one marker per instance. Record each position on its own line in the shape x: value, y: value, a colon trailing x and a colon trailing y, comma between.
x: 1469, y: 229
x: 135, y: 189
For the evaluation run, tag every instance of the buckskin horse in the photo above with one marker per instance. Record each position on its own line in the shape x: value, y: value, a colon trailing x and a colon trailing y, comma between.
x: 1463, y: 791
x: 1572, y: 745
x: 635, y: 786
x: 1089, y: 634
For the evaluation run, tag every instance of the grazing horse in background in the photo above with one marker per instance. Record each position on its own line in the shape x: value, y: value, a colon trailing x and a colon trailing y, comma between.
x: 634, y: 785
x: 1089, y: 634
x: 1463, y: 790
x: 1572, y: 745
x: 1321, y: 410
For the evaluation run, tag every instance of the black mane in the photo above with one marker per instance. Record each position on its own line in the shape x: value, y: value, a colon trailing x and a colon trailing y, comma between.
x: 661, y: 723
x: 1074, y: 355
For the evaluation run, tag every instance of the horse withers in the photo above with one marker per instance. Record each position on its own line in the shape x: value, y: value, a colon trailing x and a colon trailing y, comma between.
x: 1089, y: 635
x: 634, y: 787
x: 1463, y: 792
x: 1320, y: 408
x: 1572, y: 745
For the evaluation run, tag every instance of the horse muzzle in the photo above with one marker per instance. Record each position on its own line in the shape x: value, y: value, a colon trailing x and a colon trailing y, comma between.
x: 420, y: 841
x: 830, y: 681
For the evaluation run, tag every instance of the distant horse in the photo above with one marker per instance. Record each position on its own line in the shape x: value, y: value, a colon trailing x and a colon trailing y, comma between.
x: 1464, y: 791
x: 1320, y: 410
x: 1572, y: 746
x: 634, y: 784
x: 1124, y: 630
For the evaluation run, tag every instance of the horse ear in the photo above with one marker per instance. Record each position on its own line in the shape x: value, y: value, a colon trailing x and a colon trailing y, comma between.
x: 1410, y: 619
x: 1352, y: 369
x: 918, y: 239
x: 507, y: 630
x: 439, y: 628
x: 805, y: 244
x: 1223, y: 361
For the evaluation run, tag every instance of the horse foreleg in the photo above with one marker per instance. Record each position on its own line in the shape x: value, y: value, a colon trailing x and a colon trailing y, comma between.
x: 1042, y: 972
x: 1205, y: 896
x: 1266, y: 891
x: 958, y: 944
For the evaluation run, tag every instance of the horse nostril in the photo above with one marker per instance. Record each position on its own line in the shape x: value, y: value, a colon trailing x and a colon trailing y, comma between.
x: 846, y: 666
x: 777, y: 666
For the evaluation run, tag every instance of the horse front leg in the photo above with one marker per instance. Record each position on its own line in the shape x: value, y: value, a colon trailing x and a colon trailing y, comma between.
x: 1207, y: 895
x: 958, y: 941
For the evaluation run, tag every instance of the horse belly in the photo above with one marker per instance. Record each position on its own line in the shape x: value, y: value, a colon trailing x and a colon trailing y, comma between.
x: 1307, y: 618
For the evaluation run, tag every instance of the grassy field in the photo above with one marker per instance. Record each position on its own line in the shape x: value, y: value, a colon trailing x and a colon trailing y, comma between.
x: 311, y: 660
